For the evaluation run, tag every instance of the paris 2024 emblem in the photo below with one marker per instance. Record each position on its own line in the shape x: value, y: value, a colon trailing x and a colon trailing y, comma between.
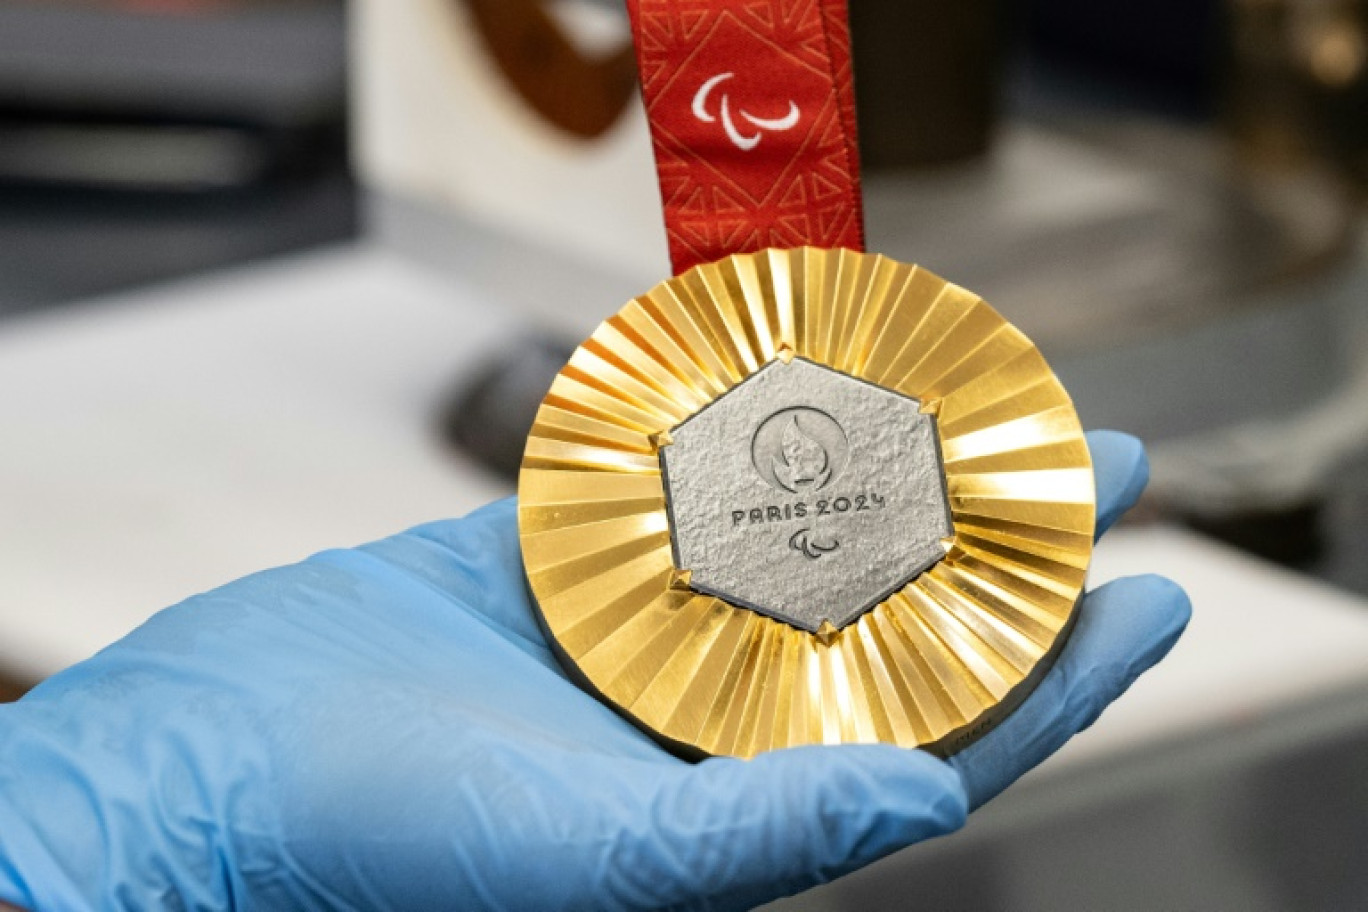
x: 800, y: 451
x: 804, y: 494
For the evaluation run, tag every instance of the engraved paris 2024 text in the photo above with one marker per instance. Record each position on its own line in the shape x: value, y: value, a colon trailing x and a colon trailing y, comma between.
x: 773, y: 513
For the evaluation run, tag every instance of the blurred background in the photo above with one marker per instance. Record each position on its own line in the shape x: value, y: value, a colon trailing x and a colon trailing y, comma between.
x: 277, y: 275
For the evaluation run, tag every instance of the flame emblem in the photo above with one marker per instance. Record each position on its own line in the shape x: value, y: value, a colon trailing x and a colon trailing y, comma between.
x: 800, y: 450
x: 803, y: 464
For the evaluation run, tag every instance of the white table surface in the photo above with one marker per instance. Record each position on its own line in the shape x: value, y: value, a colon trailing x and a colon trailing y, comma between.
x: 157, y: 444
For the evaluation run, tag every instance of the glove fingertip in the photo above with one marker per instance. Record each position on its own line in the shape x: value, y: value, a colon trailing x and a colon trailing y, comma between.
x: 1125, y: 628
x: 1121, y: 468
x: 1153, y: 607
x: 1169, y: 608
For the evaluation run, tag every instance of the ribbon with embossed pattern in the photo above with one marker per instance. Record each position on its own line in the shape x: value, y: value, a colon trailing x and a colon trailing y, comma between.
x: 752, y: 112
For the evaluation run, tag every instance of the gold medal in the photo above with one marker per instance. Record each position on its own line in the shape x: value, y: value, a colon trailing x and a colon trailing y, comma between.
x: 807, y: 497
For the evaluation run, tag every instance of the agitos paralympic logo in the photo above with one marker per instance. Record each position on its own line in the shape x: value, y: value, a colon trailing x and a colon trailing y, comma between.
x: 702, y: 110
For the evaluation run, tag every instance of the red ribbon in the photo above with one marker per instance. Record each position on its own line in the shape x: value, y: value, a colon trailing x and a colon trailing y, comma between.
x: 752, y: 112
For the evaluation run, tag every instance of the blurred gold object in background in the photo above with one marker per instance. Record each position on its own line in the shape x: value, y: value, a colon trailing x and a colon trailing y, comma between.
x: 935, y: 665
x: 583, y: 94
x: 1298, y: 89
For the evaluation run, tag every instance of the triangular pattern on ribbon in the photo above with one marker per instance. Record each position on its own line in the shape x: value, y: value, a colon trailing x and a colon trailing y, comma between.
x: 691, y: 21
x: 725, y: 202
x: 793, y: 187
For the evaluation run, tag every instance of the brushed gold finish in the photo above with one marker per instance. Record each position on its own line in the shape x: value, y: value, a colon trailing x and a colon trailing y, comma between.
x: 936, y: 664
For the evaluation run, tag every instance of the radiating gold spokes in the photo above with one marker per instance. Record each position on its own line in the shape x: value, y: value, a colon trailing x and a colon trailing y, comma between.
x: 933, y: 665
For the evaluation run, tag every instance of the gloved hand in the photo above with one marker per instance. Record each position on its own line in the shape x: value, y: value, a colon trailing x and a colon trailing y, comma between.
x: 385, y: 728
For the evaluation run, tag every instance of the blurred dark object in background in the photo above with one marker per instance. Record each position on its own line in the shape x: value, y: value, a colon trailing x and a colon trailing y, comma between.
x: 926, y: 79
x: 214, y: 96
x: 140, y: 140
x: 11, y: 690
x: 491, y: 415
x: 1158, y: 55
x: 1293, y: 537
x: 929, y: 74
x: 1298, y: 87
x: 1287, y: 78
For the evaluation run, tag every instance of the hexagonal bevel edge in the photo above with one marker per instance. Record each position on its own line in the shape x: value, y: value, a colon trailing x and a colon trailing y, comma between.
x: 805, y: 494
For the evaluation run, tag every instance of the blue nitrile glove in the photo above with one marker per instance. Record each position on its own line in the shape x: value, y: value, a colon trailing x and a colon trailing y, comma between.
x: 384, y: 728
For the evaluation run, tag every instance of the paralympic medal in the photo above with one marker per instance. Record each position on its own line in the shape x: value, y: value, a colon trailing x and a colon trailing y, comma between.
x: 797, y: 494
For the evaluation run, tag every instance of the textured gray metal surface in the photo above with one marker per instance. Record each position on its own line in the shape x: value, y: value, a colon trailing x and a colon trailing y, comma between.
x: 806, y: 495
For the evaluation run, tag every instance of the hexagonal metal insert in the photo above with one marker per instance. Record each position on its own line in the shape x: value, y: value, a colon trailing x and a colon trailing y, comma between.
x: 806, y: 495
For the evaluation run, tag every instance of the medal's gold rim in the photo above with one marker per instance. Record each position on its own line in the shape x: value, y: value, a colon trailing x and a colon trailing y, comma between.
x: 935, y: 665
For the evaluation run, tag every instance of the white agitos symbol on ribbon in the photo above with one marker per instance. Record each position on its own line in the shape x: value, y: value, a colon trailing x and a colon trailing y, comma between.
x: 740, y: 140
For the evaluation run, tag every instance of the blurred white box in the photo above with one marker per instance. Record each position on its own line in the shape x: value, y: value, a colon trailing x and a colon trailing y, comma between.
x: 436, y: 120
